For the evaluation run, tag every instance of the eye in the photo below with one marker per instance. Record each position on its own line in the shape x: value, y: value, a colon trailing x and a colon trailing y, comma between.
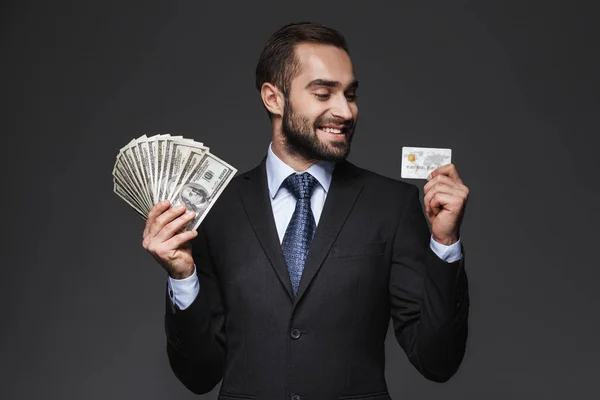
x: 322, y: 96
x: 351, y: 96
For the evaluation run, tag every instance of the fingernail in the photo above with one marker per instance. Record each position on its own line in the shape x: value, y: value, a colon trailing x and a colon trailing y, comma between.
x: 190, y: 214
x: 429, y: 177
x: 180, y: 208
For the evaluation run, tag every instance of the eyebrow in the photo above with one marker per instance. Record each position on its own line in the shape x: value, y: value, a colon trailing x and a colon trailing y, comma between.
x: 331, y: 84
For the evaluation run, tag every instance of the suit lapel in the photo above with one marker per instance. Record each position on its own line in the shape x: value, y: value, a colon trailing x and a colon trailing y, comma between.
x: 254, y: 192
x: 343, y: 192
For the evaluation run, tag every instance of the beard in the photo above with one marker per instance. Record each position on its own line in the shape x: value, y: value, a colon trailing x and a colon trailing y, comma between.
x: 300, y: 136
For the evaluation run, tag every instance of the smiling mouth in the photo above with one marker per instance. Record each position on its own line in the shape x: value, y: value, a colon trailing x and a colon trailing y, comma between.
x: 334, y: 131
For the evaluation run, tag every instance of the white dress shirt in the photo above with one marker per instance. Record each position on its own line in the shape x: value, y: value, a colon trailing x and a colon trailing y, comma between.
x: 184, y: 291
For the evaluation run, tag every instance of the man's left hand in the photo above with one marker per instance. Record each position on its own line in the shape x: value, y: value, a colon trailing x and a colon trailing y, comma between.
x: 445, y: 201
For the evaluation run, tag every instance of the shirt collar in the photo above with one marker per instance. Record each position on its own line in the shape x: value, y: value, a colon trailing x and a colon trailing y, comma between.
x: 277, y: 171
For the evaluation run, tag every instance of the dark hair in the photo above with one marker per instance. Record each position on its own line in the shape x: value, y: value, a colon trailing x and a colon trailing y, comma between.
x: 278, y: 64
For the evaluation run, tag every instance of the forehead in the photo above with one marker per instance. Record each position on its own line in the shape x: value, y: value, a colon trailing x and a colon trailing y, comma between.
x: 325, y: 62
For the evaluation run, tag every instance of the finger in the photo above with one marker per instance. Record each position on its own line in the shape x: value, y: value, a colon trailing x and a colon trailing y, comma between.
x: 448, y: 170
x: 440, y: 179
x: 158, y: 209
x: 167, y: 232
x: 439, y: 201
x: 443, y: 188
x: 427, y: 201
x: 181, y: 239
x: 433, y: 183
x: 165, y: 218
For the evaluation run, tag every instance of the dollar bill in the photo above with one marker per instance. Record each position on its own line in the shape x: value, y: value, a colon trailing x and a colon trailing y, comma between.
x: 151, y: 144
x: 142, y: 159
x: 194, y: 157
x: 158, y: 142
x: 180, y: 152
x: 128, y: 200
x: 127, y: 158
x: 122, y: 182
x: 202, y: 188
x: 148, y: 170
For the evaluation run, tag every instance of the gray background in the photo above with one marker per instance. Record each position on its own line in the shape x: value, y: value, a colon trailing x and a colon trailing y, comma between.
x: 511, y: 87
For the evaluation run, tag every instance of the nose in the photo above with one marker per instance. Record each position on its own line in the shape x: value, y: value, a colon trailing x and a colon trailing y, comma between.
x: 341, y: 108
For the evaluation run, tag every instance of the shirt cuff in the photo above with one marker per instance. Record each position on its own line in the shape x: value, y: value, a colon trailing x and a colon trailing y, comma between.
x: 183, y: 292
x: 450, y: 253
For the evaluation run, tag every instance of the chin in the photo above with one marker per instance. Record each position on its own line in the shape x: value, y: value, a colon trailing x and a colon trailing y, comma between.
x: 338, y: 151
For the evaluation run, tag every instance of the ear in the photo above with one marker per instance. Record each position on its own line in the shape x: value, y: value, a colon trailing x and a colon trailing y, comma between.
x: 272, y: 98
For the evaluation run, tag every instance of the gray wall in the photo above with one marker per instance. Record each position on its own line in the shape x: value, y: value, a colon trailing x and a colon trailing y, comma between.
x: 511, y: 87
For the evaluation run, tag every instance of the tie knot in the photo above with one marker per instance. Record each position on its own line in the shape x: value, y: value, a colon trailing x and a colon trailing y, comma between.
x: 301, y: 185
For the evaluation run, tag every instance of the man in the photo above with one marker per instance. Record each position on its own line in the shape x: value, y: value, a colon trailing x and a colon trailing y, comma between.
x: 287, y: 288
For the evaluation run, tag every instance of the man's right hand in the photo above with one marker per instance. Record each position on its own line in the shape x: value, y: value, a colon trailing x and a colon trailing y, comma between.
x: 172, y: 251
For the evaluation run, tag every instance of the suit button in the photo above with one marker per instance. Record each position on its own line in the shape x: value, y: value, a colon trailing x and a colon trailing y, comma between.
x: 295, y: 397
x: 295, y: 333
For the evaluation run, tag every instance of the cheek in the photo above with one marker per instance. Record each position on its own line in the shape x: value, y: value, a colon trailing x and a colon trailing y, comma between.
x: 310, y: 108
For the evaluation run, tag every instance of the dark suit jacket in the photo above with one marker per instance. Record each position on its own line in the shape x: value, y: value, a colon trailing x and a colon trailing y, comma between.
x: 370, y: 259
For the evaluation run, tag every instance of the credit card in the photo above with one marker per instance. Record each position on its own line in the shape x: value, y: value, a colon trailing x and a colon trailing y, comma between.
x: 419, y: 162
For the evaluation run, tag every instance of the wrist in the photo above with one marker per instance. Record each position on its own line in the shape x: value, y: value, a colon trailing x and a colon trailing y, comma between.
x: 179, y: 275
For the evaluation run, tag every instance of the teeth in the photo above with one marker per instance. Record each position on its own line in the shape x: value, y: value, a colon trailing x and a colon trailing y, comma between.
x: 331, y: 130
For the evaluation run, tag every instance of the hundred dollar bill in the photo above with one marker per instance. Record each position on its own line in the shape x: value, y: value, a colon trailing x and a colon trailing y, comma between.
x: 179, y: 153
x: 165, y: 161
x: 157, y: 146
x: 128, y: 200
x: 128, y: 160
x: 121, y: 181
x: 151, y: 143
x: 133, y: 162
x: 121, y: 171
x: 202, y: 188
x: 161, y: 149
x: 196, y: 151
x: 120, y: 174
x: 194, y: 157
x: 142, y: 159
x: 150, y: 169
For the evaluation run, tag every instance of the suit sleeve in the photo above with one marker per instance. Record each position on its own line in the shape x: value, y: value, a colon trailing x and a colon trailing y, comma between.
x: 428, y: 297
x: 196, y: 335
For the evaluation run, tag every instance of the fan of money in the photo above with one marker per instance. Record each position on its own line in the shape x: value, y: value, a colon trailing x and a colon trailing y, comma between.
x: 149, y: 170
